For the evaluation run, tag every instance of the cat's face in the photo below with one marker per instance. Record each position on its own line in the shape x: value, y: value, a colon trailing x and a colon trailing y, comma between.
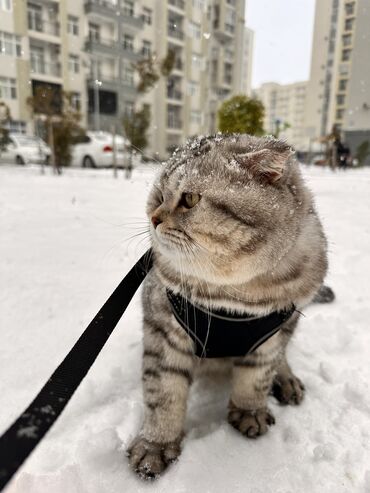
x: 220, y: 202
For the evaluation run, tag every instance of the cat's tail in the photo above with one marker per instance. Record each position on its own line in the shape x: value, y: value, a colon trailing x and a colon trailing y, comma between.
x: 324, y: 295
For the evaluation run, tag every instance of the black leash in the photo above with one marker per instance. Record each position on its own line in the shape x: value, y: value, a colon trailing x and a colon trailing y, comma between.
x: 17, y: 443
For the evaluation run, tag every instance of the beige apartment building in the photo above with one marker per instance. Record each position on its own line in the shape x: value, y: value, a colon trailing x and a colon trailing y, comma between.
x: 285, y: 112
x: 88, y: 47
x: 338, y: 92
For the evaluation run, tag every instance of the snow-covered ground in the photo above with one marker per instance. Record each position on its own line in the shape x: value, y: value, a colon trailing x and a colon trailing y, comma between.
x: 65, y: 244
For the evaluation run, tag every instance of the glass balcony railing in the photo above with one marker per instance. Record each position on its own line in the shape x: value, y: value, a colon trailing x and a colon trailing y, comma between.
x: 40, y: 66
x: 36, y: 23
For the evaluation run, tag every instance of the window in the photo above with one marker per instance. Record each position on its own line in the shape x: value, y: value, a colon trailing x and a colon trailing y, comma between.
x: 192, y: 88
x: 194, y: 30
x: 197, y: 61
x: 76, y: 101
x: 229, y: 55
x: 8, y: 88
x: 6, y: 5
x: 346, y: 55
x: 128, y: 8
x: 347, y: 40
x: 94, y: 32
x: 128, y: 73
x: 196, y: 117
x: 228, y: 73
x: 37, y: 57
x: 10, y: 44
x: 95, y: 69
x: 199, y: 4
x: 339, y: 114
x: 128, y: 42
x: 343, y: 84
x: 74, y: 64
x: 341, y: 98
x: 16, y: 126
x: 349, y: 24
x: 350, y: 8
x: 146, y: 49
x: 147, y: 16
x: 72, y: 26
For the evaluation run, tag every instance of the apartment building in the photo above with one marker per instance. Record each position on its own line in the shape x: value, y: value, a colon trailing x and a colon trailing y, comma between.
x: 89, y: 47
x: 338, y: 92
x: 285, y: 112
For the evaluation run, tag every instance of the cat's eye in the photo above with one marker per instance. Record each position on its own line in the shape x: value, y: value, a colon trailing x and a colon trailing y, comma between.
x: 189, y: 200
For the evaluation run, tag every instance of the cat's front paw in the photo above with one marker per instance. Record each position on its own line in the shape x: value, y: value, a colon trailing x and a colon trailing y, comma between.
x: 251, y: 423
x: 288, y: 390
x: 150, y: 459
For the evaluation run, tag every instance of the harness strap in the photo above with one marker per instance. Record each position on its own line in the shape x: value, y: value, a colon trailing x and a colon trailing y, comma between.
x: 17, y: 443
x: 221, y: 334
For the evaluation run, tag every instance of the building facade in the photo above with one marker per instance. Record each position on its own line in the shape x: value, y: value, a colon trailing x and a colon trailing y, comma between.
x: 89, y: 48
x: 338, y: 93
x: 285, y: 112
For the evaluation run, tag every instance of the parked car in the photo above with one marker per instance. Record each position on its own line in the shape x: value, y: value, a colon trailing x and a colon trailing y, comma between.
x: 95, y: 149
x: 24, y: 149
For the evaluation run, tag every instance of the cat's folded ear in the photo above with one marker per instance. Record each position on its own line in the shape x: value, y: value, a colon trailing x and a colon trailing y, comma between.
x: 266, y: 164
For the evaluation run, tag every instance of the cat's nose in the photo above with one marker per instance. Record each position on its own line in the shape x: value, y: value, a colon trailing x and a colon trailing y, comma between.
x: 155, y: 221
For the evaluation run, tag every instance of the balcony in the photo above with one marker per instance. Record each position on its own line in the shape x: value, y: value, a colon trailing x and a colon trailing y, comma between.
x: 110, y: 9
x: 37, y: 24
x: 101, y: 45
x: 174, y: 94
x: 174, y: 123
x: 225, y: 34
x: 111, y: 83
x: 40, y: 67
x: 180, y: 4
x: 174, y: 32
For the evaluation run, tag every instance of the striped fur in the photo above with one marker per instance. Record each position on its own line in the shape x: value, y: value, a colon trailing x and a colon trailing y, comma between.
x: 253, y: 243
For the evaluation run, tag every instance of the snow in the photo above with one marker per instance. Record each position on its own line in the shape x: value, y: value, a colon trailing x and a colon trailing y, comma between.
x: 65, y: 244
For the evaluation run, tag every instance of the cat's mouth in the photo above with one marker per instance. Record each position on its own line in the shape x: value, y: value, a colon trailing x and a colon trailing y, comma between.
x: 171, y: 238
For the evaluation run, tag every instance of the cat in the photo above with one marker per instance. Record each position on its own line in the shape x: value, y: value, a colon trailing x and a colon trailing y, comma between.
x: 233, y: 226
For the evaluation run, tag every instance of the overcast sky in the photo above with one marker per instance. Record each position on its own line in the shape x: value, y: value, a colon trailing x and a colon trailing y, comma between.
x: 283, y: 35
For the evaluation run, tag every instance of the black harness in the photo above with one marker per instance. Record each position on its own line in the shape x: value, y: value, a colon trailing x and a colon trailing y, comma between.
x: 219, y: 333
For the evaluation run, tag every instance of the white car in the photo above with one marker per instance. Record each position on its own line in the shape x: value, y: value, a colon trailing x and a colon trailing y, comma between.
x: 96, y: 150
x: 24, y: 149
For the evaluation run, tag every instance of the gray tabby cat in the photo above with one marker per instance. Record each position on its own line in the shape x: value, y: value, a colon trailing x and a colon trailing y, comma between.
x: 233, y: 226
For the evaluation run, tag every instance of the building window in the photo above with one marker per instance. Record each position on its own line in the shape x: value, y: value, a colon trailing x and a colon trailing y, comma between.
x: 128, y: 74
x: 343, y: 83
x: 346, y: 55
x: 6, y: 5
x: 95, y: 69
x: 147, y: 16
x: 341, y: 98
x: 128, y: 8
x: 72, y: 26
x: 347, y: 40
x: 199, y: 4
x: 340, y: 114
x: 196, y: 61
x: 350, y: 8
x: 228, y: 73
x: 128, y: 42
x: 76, y: 101
x: 74, y: 64
x: 16, y: 126
x: 196, y: 117
x: 146, y: 49
x: 192, y: 88
x: 94, y: 32
x: 10, y: 44
x: 8, y: 88
x: 194, y: 30
x: 349, y: 24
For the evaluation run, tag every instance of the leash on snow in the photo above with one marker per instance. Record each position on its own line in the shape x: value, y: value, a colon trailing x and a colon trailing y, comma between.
x: 17, y: 443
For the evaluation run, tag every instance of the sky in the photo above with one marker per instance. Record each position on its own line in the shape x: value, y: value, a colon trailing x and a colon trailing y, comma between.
x: 283, y: 36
